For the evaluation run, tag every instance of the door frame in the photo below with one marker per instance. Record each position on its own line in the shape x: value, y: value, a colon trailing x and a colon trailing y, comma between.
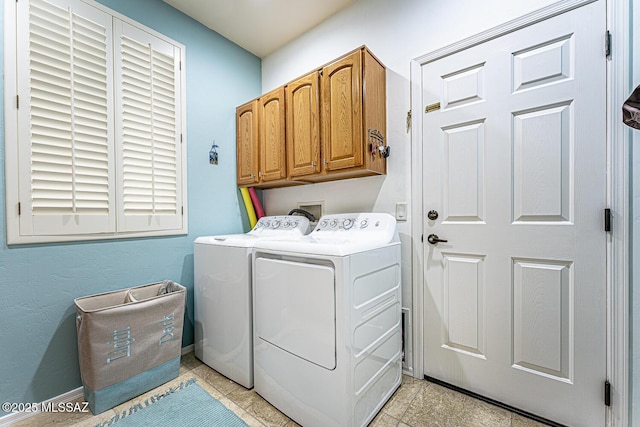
x: 618, y: 175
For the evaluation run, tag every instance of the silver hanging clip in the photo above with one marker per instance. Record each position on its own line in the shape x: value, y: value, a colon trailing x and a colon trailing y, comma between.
x: 376, y: 143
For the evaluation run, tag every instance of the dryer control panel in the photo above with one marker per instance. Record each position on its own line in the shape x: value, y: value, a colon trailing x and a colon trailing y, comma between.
x: 356, y: 226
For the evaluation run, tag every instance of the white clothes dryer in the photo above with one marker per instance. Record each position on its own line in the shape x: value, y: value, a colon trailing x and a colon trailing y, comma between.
x: 327, y: 320
x: 223, y: 298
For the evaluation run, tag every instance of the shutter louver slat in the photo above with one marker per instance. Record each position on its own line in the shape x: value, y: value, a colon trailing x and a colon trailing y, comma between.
x: 47, y: 96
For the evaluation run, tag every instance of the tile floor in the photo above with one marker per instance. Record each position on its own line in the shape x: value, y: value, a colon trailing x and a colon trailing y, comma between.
x: 416, y: 403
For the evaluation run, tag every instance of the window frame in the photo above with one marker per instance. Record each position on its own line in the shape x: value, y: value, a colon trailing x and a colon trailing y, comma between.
x: 12, y: 140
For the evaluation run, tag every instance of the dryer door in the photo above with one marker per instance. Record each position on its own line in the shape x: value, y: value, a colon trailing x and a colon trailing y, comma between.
x: 295, y: 308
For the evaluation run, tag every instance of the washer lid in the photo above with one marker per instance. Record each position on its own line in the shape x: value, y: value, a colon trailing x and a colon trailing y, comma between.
x: 288, y: 227
x: 236, y: 240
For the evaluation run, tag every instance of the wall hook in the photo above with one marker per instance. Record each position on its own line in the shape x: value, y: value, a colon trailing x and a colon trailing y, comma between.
x: 384, y: 151
x: 213, y: 154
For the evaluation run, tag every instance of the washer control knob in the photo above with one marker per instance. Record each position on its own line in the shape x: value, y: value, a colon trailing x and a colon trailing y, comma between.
x: 364, y: 223
x: 333, y: 223
x: 287, y: 224
x: 275, y: 224
x: 347, y: 223
x: 323, y: 223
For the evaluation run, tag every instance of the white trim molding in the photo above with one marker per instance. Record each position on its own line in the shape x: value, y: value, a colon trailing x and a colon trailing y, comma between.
x: 618, y: 88
x: 534, y: 17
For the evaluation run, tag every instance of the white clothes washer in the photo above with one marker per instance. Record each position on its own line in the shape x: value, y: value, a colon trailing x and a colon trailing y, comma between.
x: 222, y: 295
x: 327, y: 320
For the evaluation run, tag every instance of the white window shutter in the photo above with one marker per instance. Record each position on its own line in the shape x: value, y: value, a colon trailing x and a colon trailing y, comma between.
x: 65, y: 119
x: 148, y: 139
x: 94, y: 143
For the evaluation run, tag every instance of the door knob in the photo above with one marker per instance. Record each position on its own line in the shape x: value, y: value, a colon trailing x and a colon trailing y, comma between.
x: 434, y: 239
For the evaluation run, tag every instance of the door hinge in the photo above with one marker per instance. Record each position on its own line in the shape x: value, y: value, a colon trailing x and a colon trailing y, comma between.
x: 182, y: 210
x: 432, y: 107
x: 180, y: 138
x: 18, y: 102
x: 607, y: 219
x: 408, y: 121
x: 607, y: 44
x: 422, y: 238
x: 607, y: 393
x: 19, y: 209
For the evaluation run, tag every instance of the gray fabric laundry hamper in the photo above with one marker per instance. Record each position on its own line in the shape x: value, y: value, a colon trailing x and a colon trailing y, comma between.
x: 129, y: 341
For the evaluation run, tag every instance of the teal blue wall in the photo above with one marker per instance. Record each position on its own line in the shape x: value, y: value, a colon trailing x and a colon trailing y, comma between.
x: 38, y: 355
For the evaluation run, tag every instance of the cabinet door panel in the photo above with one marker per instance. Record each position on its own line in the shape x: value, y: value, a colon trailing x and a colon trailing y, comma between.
x: 303, y: 131
x: 272, y: 136
x: 342, y: 113
x: 247, y: 143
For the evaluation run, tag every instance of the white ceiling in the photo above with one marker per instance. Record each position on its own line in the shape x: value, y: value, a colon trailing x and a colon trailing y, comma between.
x: 260, y: 26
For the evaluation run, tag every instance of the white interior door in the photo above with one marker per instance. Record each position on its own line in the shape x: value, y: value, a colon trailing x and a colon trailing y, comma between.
x: 515, y: 167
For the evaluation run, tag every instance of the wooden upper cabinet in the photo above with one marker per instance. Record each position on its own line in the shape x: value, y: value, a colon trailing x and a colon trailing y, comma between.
x: 354, y: 116
x: 329, y: 124
x: 247, y: 143
x: 272, y: 136
x: 303, y: 126
x: 260, y: 141
x: 374, y: 112
x: 342, y: 112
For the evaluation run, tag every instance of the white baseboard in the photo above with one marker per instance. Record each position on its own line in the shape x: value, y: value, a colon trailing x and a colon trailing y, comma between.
x: 187, y: 349
x: 69, y: 396
x: 15, y: 417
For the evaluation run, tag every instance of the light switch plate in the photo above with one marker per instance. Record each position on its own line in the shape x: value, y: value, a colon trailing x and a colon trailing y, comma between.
x: 401, y: 211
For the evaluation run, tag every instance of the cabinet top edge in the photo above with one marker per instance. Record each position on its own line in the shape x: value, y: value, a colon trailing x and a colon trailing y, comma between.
x: 363, y: 48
